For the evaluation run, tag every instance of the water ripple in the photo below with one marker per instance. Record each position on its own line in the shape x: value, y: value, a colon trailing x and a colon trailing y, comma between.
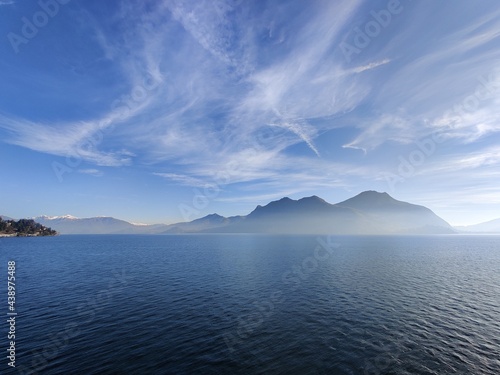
x: 221, y: 305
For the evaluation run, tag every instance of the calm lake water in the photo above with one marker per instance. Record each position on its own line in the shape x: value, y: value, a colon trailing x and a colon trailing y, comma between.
x: 243, y: 304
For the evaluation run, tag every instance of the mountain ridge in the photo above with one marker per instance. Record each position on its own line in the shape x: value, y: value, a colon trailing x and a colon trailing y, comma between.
x: 369, y: 212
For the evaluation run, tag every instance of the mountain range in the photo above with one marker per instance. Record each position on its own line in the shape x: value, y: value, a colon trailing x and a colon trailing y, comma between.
x: 369, y: 212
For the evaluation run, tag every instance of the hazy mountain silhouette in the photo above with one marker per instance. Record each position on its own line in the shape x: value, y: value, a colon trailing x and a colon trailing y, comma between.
x: 393, y: 216
x: 492, y: 226
x: 203, y: 224
x: 307, y: 215
x: 369, y: 212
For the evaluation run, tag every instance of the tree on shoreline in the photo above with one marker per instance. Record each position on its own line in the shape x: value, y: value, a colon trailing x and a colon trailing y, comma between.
x: 24, y: 227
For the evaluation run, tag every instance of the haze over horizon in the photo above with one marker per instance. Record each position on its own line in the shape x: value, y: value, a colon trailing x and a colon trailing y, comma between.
x: 132, y: 110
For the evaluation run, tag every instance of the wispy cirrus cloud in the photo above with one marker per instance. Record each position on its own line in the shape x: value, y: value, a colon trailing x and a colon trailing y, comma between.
x: 176, y: 122
x: 78, y: 140
x: 371, y: 65
x: 223, y: 92
x: 442, y: 73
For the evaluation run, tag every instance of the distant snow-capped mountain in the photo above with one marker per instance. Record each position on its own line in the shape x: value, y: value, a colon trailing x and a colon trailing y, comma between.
x: 94, y: 225
x: 45, y: 217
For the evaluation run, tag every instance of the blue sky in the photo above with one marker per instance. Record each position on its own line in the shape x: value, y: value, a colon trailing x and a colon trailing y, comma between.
x: 164, y: 111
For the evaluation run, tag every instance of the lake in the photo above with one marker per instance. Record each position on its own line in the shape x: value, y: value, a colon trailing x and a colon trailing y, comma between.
x: 254, y: 304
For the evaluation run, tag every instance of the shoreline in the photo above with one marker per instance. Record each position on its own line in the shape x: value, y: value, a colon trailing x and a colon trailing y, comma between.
x: 4, y: 235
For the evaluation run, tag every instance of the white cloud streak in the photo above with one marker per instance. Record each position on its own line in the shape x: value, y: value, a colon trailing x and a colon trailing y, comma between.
x: 371, y: 66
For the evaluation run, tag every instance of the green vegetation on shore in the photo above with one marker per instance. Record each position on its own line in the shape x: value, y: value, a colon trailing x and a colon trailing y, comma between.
x: 24, y: 228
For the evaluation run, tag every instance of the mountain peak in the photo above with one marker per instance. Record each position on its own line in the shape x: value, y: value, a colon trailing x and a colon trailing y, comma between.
x: 373, y: 193
x: 313, y: 202
x: 312, y: 198
x: 287, y: 206
x: 210, y: 218
x: 370, y: 199
x: 213, y: 216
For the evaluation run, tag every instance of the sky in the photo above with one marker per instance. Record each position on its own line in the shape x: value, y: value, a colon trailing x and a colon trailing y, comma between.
x: 164, y: 111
